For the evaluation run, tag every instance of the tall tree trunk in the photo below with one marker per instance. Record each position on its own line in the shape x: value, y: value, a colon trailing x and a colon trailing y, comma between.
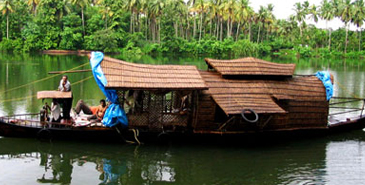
x: 7, y: 26
x: 159, y: 31
x: 249, y: 31
x: 176, y: 27
x: 238, y: 29
x: 211, y: 26
x: 228, y: 34
x: 106, y: 22
x: 131, y: 22
x: 258, y: 34
x: 329, y: 40
x: 83, y: 21
x: 231, y: 29
x: 221, y: 29
x: 217, y: 29
x: 346, y: 37
x: 188, y: 29
x: 201, y: 25
x: 138, y: 22
x: 194, y: 29
x: 359, y: 40
x: 146, y: 25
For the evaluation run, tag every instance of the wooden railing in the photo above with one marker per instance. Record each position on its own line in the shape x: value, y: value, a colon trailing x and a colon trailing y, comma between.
x: 342, y: 101
x: 31, y: 120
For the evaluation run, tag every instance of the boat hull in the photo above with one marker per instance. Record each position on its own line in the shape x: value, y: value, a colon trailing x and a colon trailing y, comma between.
x: 111, y: 134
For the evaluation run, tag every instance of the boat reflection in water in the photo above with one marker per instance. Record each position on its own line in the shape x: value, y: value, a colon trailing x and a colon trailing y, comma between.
x: 335, y: 160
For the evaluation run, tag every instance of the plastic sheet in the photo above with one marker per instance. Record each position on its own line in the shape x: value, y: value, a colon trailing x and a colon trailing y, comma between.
x: 325, y: 77
x: 114, y: 114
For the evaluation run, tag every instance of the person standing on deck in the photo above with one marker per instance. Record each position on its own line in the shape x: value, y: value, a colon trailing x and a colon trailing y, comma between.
x: 65, y: 86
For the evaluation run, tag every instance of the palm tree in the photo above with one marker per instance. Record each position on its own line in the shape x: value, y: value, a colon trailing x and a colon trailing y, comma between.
x: 200, y: 6
x: 6, y: 6
x: 300, y: 14
x: 346, y: 13
x: 106, y: 12
x: 33, y: 4
x: 358, y: 17
x: 133, y: 6
x: 228, y: 7
x: 155, y: 8
x: 269, y: 20
x: 261, y: 16
x: 82, y: 4
x: 327, y: 12
x: 242, y: 14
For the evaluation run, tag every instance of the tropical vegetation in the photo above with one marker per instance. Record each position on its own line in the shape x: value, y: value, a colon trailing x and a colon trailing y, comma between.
x: 229, y: 27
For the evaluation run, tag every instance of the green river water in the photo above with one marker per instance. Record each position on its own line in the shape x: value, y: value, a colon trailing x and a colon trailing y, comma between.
x: 336, y: 159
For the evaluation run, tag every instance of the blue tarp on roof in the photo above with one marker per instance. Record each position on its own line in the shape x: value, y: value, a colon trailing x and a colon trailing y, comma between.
x: 114, y: 114
x: 325, y: 77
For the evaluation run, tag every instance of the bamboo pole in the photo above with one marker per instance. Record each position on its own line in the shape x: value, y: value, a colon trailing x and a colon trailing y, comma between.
x: 74, y: 71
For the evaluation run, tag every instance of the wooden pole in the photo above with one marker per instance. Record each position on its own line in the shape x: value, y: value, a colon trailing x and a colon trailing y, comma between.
x: 74, y: 71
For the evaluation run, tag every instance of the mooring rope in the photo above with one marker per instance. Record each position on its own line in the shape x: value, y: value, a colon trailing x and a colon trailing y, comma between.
x: 347, y: 91
x: 32, y: 96
x: 43, y: 79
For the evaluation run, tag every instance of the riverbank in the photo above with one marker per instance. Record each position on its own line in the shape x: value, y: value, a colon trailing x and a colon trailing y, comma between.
x: 226, y: 48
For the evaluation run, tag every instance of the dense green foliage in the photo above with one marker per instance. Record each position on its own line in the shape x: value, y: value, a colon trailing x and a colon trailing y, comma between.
x: 131, y: 27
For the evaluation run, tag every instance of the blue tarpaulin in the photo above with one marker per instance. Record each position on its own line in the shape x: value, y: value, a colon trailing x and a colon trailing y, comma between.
x: 325, y: 77
x: 114, y: 114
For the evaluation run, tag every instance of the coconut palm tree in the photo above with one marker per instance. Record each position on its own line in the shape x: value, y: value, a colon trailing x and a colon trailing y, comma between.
x: 200, y: 7
x: 242, y: 14
x: 155, y: 10
x: 33, y: 4
x: 300, y: 14
x: 327, y: 12
x: 82, y: 4
x: 346, y: 14
x: 358, y: 17
x: 260, y: 20
x: 6, y: 7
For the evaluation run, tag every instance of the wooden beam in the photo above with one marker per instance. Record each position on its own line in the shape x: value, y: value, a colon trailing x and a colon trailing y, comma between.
x: 73, y: 71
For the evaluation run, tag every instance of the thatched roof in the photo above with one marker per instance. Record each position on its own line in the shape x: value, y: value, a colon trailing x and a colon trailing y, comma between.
x: 250, y: 66
x: 125, y: 75
x: 234, y: 95
x: 53, y: 94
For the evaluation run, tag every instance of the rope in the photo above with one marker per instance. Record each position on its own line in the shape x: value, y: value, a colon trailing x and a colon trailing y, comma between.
x: 347, y: 91
x: 32, y: 96
x: 43, y: 79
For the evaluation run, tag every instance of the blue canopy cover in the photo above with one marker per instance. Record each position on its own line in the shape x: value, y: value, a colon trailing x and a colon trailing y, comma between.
x: 114, y: 115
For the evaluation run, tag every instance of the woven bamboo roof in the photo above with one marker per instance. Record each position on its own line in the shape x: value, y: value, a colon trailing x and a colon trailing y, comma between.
x: 234, y: 95
x: 125, y: 75
x: 53, y: 94
x: 250, y: 66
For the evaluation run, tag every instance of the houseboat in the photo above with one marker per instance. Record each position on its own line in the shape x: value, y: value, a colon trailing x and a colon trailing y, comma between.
x: 239, y: 97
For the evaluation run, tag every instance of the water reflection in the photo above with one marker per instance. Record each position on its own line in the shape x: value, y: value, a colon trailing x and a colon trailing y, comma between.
x: 330, y: 160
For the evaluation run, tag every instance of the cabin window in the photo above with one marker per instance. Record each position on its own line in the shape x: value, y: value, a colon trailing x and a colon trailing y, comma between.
x: 156, y: 109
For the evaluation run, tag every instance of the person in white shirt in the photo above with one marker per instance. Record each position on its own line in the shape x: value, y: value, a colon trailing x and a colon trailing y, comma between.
x: 55, y: 111
x: 65, y: 86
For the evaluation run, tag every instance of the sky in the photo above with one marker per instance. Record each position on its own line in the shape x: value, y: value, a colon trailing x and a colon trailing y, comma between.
x: 284, y: 8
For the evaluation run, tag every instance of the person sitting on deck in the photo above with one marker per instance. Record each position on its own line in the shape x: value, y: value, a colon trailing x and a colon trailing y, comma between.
x: 44, y: 112
x: 95, y: 113
x: 55, y: 111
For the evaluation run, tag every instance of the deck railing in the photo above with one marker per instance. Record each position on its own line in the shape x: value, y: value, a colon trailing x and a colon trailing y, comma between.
x: 341, y: 103
x: 31, y: 120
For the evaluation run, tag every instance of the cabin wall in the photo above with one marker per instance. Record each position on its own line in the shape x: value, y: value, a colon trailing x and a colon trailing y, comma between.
x: 204, y: 119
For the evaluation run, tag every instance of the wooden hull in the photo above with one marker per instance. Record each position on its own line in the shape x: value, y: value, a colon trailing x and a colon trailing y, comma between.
x: 111, y: 134
x: 85, y: 133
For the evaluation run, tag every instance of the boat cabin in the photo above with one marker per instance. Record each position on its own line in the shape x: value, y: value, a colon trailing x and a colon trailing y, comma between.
x: 241, y: 95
